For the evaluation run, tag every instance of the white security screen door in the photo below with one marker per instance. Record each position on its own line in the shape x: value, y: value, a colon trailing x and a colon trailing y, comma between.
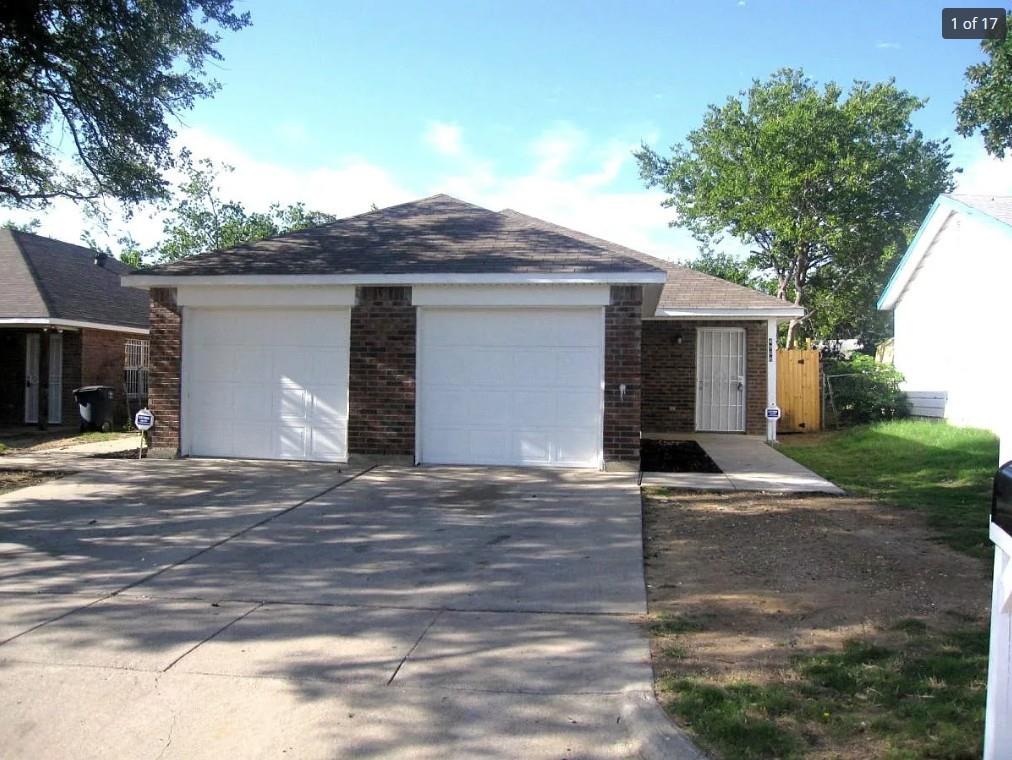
x: 267, y: 383
x: 511, y: 386
x: 55, y: 378
x: 720, y: 379
x: 32, y: 378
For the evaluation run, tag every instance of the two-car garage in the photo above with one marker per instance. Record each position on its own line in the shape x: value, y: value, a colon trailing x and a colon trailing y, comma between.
x: 512, y: 384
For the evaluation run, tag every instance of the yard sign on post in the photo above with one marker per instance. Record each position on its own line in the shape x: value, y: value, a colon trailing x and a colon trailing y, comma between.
x: 144, y: 420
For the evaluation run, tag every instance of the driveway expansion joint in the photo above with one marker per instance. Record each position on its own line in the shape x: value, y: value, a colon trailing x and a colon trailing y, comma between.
x: 206, y: 639
x: 414, y: 646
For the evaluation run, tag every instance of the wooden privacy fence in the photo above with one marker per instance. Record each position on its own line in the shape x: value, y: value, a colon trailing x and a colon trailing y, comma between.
x: 799, y: 390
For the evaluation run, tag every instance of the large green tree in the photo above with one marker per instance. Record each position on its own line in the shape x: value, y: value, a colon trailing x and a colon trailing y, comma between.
x: 87, y: 88
x: 727, y: 267
x: 810, y: 178
x: 986, y: 104
x: 199, y: 218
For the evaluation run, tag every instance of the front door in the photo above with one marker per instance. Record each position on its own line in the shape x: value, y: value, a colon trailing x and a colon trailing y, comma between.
x: 55, y: 395
x: 32, y: 378
x: 720, y: 379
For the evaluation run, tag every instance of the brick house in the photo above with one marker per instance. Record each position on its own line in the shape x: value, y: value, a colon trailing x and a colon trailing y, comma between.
x: 441, y: 332
x: 65, y: 321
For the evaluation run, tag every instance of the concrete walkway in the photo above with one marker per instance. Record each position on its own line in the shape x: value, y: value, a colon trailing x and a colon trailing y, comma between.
x: 747, y: 462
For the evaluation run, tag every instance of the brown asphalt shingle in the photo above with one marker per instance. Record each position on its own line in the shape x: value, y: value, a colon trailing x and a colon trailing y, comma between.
x: 436, y: 235
x: 45, y: 278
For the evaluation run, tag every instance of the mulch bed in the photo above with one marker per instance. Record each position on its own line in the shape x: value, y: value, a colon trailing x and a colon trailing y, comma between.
x: 11, y: 480
x: 675, y: 456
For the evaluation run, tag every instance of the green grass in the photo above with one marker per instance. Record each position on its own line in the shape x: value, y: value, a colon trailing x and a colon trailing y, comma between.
x: 944, y: 471
x: 920, y: 695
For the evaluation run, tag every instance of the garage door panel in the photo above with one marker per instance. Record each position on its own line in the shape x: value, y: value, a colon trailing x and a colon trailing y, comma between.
x: 532, y: 447
x: 261, y: 382
x: 502, y: 386
x: 574, y: 408
x: 534, y: 408
x: 575, y: 366
x: 491, y: 368
x: 535, y: 368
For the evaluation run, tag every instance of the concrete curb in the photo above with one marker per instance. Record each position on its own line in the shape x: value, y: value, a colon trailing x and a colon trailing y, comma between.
x: 654, y: 736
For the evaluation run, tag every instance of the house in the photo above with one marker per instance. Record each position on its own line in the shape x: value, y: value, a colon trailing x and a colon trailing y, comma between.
x: 950, y: 298
x: 65, y: 321
x: 440, y: 332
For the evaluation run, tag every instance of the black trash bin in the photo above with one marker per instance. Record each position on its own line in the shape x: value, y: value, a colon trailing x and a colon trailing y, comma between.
x: 95, y: 403
x: 1001, y: 499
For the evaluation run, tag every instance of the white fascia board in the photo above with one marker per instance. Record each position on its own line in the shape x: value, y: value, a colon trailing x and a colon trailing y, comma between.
x: 777, y: 312
x: 515, y: 295
x: 554, y: 278
x: 72, y: 324
x: 307, y: 296
x: 937, y: 215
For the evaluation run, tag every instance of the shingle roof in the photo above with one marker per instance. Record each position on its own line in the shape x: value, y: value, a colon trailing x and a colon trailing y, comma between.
x: 436, y: 235
x: 997, y: 206
x: 46, y: 278
x: 685, y: 288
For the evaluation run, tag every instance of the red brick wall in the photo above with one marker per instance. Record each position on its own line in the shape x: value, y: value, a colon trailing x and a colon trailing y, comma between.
x: 166, y: 337
x: 622, y: 332
x: 381, y: 383
x: 102, y: 360
x: 71, y: 376
x: 669, y: 375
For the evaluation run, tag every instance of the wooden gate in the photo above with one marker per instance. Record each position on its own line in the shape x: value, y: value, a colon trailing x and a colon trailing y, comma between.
x: 799, y: 390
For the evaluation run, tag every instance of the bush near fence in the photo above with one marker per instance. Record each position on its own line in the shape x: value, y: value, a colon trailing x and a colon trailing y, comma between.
x: 860, y: 390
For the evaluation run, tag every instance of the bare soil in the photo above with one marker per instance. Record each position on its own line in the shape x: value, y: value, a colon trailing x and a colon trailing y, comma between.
x: 759, y: 579
x: 11, y: 480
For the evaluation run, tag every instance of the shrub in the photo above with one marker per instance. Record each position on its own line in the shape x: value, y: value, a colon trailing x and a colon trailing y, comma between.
x: 860, y: 390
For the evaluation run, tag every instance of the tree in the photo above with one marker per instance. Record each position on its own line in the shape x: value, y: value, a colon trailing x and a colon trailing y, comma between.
x: 202, y: 221
x: 727, y: 267
x: 101, y: 77
x: 32, y: 225
x: 807, y: 178
x: 986, y: 104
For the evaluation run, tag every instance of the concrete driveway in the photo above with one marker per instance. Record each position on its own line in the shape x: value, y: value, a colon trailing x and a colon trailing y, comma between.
x: 208, y: 609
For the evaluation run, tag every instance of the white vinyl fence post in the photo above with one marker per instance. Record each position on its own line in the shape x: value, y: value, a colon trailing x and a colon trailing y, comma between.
x: 771, y: 376
x: 998, y: 721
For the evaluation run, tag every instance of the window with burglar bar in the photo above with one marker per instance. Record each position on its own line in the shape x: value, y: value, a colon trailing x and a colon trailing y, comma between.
x: 135, y: 368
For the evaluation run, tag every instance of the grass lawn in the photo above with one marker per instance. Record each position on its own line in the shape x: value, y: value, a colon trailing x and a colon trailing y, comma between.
x: 944, y: 471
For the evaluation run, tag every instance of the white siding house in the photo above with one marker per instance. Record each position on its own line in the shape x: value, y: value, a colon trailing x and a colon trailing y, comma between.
x: 951, y: 297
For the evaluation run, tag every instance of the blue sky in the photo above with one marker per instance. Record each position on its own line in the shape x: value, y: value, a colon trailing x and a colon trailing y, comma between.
x: 534, y: 105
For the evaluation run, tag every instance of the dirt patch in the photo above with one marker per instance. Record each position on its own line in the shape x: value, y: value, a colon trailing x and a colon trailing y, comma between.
x: 675, y: 456
x: 11, y: 480
x: 740, y: 585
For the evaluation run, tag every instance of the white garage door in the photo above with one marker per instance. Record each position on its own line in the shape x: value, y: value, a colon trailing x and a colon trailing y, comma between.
x: 511, y: 386
x: 266, y: 384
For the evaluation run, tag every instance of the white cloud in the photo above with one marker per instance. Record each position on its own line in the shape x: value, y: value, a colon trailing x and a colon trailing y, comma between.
x: 983, y: 174
x: 888, y: 45
x: 444, y: 137
x: 571, y: 180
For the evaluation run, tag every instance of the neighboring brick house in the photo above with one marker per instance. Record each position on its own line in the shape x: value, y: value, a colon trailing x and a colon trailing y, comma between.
x: 441, y: 332
x: 65, y: 322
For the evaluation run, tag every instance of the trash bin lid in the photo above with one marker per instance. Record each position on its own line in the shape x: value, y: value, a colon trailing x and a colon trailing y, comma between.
x: 87, y: 388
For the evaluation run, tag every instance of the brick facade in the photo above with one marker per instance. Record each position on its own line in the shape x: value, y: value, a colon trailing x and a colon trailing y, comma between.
x: 381, y: 383
x: 102, y: 360
x: 669, y: 375
x: 164, y: 378
x: 622, y: 332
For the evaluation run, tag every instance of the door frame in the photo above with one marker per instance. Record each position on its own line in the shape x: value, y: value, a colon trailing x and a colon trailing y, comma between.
x: 31, y: 383
x: 699, y: 378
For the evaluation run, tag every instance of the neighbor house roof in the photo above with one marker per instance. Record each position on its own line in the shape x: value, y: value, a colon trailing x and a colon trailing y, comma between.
x: 443, y: 236
x: 994, y: 210
x: 46, y: 281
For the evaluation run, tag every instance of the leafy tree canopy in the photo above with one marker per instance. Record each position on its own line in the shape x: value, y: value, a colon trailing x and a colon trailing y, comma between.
x: 807, y: 177
x: 986, y: 104
x: 727, y: 267
x: 101, y: 77
x: 199, y: 219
